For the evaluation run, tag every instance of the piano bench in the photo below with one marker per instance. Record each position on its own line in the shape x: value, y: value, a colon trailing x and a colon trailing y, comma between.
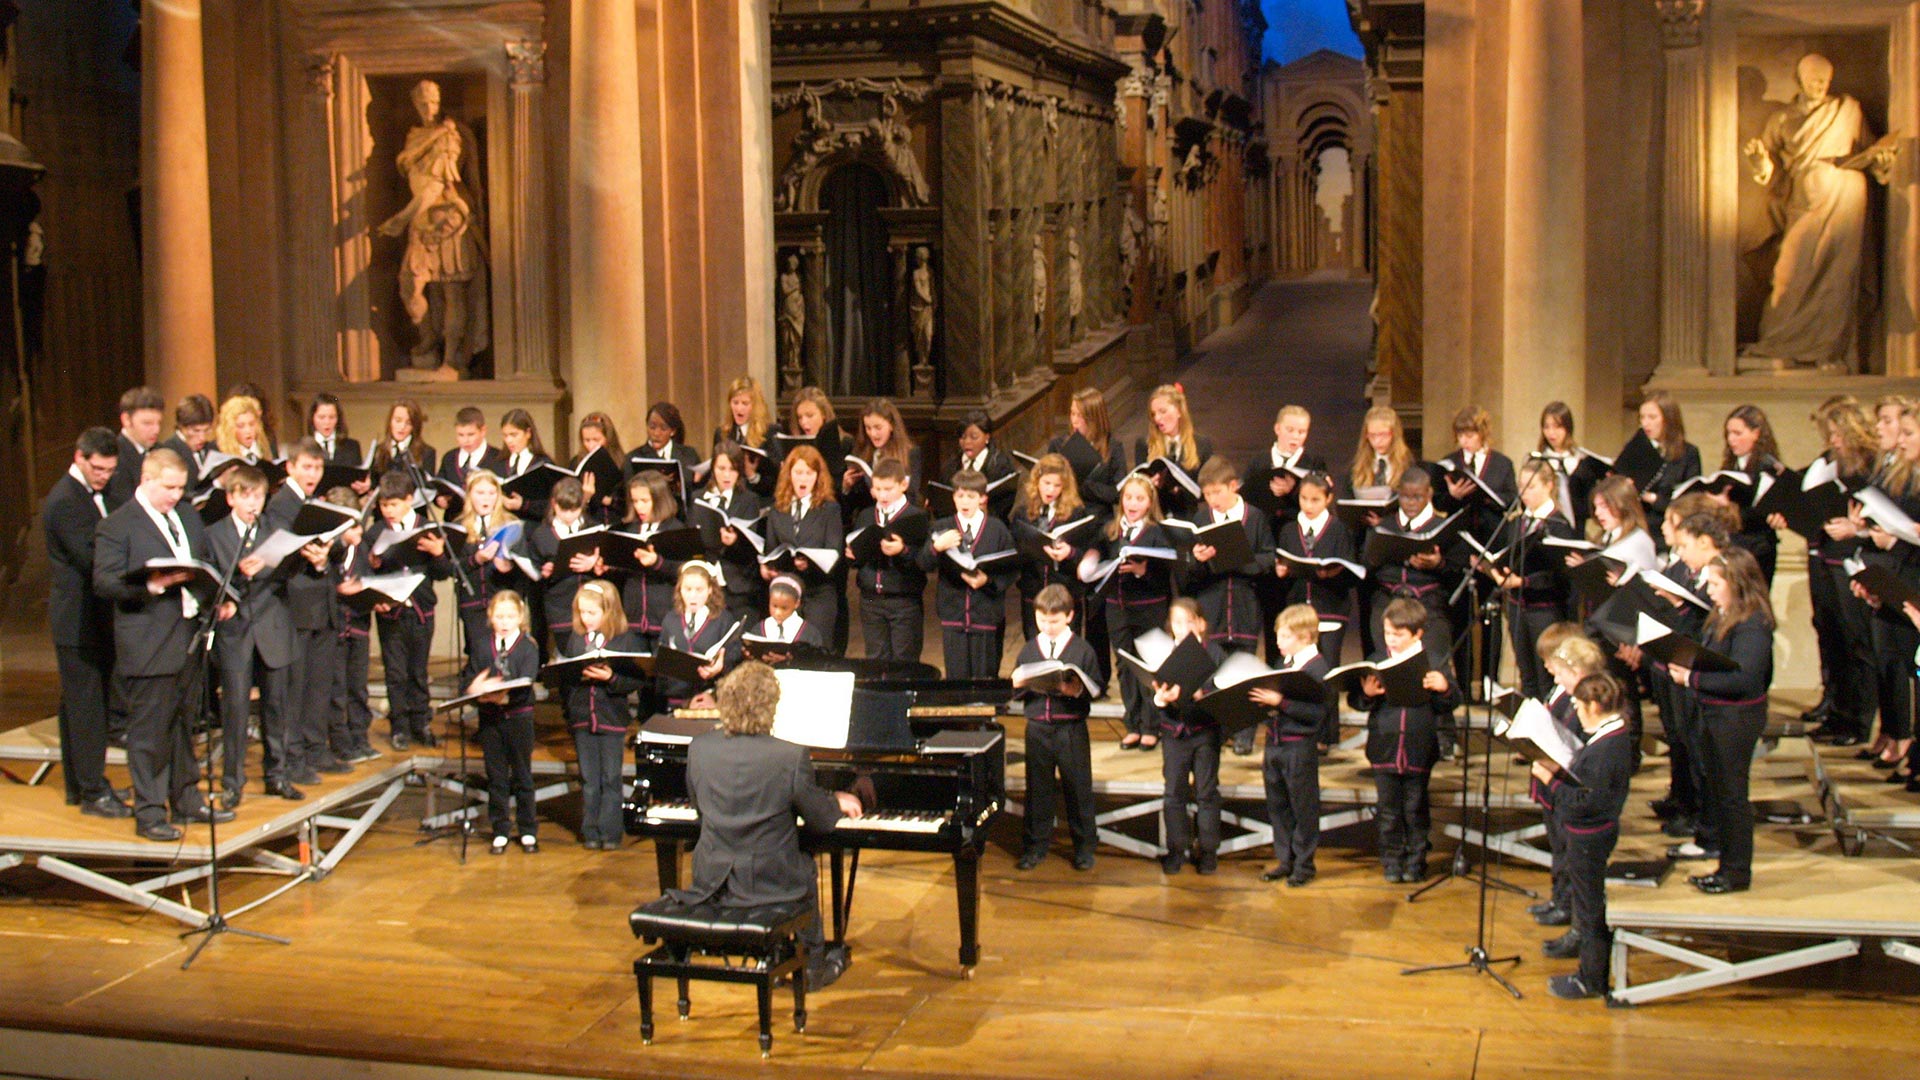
x: 700, y: 941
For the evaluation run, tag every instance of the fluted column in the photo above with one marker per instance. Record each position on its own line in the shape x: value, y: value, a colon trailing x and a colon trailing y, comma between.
x: 607, y: 295
x: 1683, y: 197
x: 526, y: 106
x: 176, y: 228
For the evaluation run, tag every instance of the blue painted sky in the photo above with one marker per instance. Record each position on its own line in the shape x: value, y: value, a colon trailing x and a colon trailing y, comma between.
x: 1298, y: 27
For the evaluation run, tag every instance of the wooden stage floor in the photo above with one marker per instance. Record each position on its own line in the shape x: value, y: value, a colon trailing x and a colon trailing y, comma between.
x: 523, y: 962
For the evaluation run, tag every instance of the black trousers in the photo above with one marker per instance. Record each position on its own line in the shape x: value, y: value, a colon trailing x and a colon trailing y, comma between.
x: 352, y: 714
x: 84, y: 674
x: 1291, y: 769
x: 1557, y: 845
x: 895, y: 626
x: 1059, y: 769
x: 1854, y: 683
x: 970, y: 655
x: 1586, y: 857
x: 1135, y: 695
x: 1728, y: 734
x: 310, y: 696
x: 506, y: 745
x: 1893, y: 649
x: 1525, y: 624
x: 242, y: 669
x: 160, y: 750
x: 1190, y: 768
x: 1679, y: 719
x: 601, y: 755
x: 405, y: 645
x: 1405, y: 818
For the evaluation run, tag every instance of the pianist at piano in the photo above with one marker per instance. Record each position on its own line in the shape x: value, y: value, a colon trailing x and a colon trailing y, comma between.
x: 748, y: 787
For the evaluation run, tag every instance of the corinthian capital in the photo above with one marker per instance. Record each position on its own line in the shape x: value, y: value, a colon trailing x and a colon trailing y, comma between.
x: 1680, y: 22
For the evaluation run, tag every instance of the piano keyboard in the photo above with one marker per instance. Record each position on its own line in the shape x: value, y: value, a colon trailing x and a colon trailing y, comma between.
x: 680, y: 813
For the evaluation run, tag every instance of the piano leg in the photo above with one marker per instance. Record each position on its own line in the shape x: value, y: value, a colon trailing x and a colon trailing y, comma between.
x: 666, y: 857
x: 842, y: 892
x: 966, y: 887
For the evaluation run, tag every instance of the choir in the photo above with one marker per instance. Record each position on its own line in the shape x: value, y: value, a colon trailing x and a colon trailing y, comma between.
x: 657, y: 553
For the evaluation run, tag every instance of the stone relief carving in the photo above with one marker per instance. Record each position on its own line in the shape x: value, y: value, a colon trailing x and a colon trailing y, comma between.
x: 526, y: 62
x: 884, y: 139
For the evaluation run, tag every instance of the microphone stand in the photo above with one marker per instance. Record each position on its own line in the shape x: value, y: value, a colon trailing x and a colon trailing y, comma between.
x: 1478, y: 959
x: 194, y: 702
x: 463, y: 819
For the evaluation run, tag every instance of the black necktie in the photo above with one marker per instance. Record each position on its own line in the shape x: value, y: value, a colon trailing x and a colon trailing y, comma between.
x: 1306, y: 539
x: 173, y: 530
x: 966, y: 536
x: 1046, y: 523
x: 1380, y: 472
x: 500, y: 647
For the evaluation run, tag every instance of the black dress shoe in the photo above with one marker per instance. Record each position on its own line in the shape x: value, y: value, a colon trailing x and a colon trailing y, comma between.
x: 1555, y: 915
x: 1276, y: 873
x: 106, y: 806
x: 201, y: 816
x: 1571, y: 987
x: 427, y: 739
x: 1083, y: 860
x: 1913, y: 785
x: 305, y: 775
x: 124, y: 794
x: 1564, y: 947
x: 1665, y: 808
x: 1413, y: 875
x: 399, y: 741
x: 1207, y: 863
x: 827, y: 970
x: 330, y: 764
x: 1299, y: 878
x: 159, y: 832
x: 1820, y: 711
x: 1392, y: 874
x: 1715, y: 884
x: 1029, y: 859
x: 230, y: 799
x: 1878, y: 762
x: 285, y: 791
x: 1171, y: 862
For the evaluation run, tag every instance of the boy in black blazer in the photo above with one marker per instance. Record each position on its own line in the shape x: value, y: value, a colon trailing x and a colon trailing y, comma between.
x: 1228, y: 595
x: 313, y: 609
x: 1291, y: 767
x: 153, y: 626
x: 1403, y: 743
x: 972, y: 604
x: 406, y: 630
x: 255, y: 646
x: 892, y: 611
x: 1059, y: 758
x: 472, y: 452
x: 82, y: 623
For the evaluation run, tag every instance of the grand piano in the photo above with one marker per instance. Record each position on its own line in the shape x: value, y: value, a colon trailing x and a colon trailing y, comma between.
x: 937, y: 790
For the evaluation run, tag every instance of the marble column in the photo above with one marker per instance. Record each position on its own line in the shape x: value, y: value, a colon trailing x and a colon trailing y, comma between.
x: 314, y: 351
x: 526, y: 106
x: 176, y: 227
x: 1683, y: 195
x: 607, y: 301
x: 1544, y: 308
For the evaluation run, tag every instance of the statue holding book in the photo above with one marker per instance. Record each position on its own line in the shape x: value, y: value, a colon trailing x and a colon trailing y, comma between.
x: 1814, y: 156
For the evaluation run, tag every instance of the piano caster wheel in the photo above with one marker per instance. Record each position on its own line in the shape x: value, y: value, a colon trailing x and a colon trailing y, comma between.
x: 966, y: 974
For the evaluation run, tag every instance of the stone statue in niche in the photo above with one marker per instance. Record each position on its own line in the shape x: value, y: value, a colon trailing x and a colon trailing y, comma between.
x: 1039, y: 281
x: 1076, y: 291
x: 1132, y: 228
x: 920, y: 306
x: 443, y: 273
x: 793, y: 314
x: 1814, y: 157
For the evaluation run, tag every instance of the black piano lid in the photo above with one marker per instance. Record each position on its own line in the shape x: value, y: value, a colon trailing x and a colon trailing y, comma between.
x: 879, y: 724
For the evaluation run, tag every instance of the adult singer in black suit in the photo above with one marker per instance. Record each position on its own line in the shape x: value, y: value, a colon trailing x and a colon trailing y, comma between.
x: 153, y: 625
x: 141, y: 411
x: 748, y: 787
x: 82, y: 624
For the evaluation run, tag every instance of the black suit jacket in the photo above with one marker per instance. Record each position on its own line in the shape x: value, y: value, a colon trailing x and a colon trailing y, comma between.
x: 748, y: 789
x: 150, y: 633
x: 491, y: 459
x: 78, y: 618
x: 346, y: 451
x: 260, y: 617
x: 311, y: 601
x: 126, y: 473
